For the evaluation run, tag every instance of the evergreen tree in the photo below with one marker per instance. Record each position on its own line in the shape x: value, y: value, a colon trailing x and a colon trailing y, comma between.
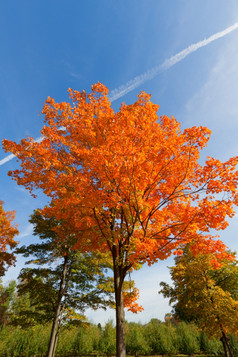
x: 64, y: 282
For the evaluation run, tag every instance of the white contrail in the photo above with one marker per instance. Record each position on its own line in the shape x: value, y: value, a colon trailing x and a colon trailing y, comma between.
x: 6, y: 159
x: 152, y: 73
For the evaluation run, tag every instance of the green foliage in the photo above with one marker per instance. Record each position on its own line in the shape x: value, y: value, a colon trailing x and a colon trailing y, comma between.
x: 234, y: 345
x: 107, y: 340
x: 187, y: 339
x: 65, y: 341
x: 84, y: 341
x: 6, y: 298
x: 83, y: 288
x: 24, y: 342
x: 167, y: 339
x: 16, y: 309
x: 23, y: 313
x: 209, y: 345
x: 136, y: 342
x: 161, y: 337
x: 153, y: 338
x: 64, y: 281
x: 152, y: 330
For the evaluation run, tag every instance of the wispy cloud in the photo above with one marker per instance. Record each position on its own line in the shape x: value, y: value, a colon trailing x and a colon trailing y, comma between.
x: 27, y: 232
x: 152, y: 73
x: 168, y: 63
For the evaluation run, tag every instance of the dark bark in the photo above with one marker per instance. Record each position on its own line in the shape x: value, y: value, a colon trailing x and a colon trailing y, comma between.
x: 54, y: 329
x: 226, y: 352
x: 227, y: 349
x: 119, y: 276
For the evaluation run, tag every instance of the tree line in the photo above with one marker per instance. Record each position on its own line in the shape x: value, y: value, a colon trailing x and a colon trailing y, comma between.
x: 153, y: 338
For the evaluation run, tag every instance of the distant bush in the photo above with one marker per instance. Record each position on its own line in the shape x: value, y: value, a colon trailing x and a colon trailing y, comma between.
x: 24, y: 342
x: 187, y: 338
x: 107, y: 340
x: 210, y: 345
x: 136, y: 341
x: 234, y: 345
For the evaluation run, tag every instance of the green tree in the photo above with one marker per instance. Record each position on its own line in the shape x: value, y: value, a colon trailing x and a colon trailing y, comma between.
x: 206, y: 294
x: 136, y: 342
x: 17, y: 309
x: 83, y: 341
x: 68, y: 280
x: 187, y: 338
x: 6, y: 298
x: 107, y: 341
x: 209, y: 345
x: 152, y: 332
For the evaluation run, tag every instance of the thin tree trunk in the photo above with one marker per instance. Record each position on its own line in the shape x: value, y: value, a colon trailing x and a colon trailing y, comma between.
x: 120, y: 314
x: 55, y: 342
x: 54, y: 329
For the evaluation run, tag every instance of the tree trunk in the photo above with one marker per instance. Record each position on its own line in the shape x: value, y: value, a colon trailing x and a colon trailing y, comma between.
x: 55, y: 342
x: 119, y: 277
x: 227, y: 350
x: 54, y: 329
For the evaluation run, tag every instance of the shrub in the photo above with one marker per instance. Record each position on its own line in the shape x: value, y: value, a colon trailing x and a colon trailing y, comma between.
x: 107, y: 341
x: 136, y: 343
x: 188, y: 338
x: 210, y: 345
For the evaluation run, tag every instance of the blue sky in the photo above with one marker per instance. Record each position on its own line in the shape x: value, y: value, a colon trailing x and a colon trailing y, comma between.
x: 49, y: 46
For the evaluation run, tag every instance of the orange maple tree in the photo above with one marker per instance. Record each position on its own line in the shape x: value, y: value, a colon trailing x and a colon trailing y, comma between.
x: 128, y: 182
x: 7, y: 234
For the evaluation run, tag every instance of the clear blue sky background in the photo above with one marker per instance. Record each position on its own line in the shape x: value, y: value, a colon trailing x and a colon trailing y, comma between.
x: 49, y: 46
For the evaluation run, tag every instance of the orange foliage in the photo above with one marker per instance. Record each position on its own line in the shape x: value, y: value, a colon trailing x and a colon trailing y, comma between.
x: 130, y: 301
x: 128, y: 181
x: 7, y: 234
